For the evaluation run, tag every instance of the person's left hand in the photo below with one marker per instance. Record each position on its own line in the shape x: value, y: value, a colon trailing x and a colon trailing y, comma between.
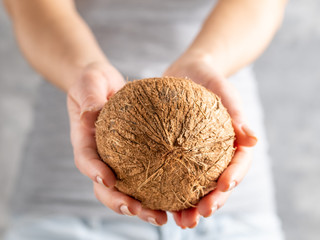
x: 201, y: 70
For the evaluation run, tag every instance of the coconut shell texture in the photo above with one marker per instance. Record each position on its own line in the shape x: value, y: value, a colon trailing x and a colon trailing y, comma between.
x: 167, y: 141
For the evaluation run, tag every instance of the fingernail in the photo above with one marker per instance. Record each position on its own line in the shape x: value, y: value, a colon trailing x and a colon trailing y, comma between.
x: 125, y: 210
x: 213, y: 209
x: 153, y: 221
x: 99, y: 180
x: 90, y: 109
x: 231, y: 186
x: 196, y: 222
x: 249, y: 132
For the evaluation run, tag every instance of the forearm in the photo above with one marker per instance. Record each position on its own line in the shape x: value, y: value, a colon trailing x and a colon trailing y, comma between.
x: 54, y: 39
x: 236, y: 32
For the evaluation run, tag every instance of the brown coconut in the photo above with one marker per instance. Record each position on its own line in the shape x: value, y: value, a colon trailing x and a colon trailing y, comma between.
x: 167, y: 141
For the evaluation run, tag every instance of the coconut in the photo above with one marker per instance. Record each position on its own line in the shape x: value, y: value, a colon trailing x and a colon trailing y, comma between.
x: 167, y: 140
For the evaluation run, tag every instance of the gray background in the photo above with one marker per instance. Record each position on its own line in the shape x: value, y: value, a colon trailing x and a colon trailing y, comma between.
x: 289, y: 81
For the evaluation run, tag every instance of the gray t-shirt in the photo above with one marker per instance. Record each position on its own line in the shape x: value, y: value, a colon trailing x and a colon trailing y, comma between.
x: 141, y: 38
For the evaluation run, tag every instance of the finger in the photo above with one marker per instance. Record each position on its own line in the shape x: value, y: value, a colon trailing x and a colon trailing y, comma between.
x: 155, y: 217
x: 244, y: 135
x: 190, y: 217
x: 89, y: 164
x: 85, y: 150
x: 177, y: 219
x: 123, y: 204
x: 117, y: 201
x: 212, y: 202
x: 236, y: 170
x: 232, y: 101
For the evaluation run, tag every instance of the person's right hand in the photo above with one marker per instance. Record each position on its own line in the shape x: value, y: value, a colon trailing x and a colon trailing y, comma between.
x: 86, y: 97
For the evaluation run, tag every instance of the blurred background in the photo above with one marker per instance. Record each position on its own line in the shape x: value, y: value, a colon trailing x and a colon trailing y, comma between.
x: 289, y: 80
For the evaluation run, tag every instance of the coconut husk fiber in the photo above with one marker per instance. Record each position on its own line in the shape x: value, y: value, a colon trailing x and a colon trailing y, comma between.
x: 167, y: 141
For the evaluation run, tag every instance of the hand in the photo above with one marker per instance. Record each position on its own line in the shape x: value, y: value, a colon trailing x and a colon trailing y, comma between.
x: 98, y: 82
x: 201, y: 70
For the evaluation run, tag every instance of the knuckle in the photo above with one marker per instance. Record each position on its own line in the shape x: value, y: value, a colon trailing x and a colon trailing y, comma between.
x: 77, y: 159
x: 96, y: 193
x: 91, y: 74
x: 89, y: 99
x: 72, y: 138
x: 79, y: 165
x: 77, y: 162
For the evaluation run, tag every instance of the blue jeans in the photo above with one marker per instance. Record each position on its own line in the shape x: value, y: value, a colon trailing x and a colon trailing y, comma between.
x: 218, y: 227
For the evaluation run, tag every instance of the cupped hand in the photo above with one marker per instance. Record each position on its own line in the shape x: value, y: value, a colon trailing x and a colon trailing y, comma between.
x: 86, y: 97
x: 200, y: 68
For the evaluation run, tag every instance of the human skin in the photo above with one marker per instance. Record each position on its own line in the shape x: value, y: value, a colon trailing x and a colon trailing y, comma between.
x: 234, y: 34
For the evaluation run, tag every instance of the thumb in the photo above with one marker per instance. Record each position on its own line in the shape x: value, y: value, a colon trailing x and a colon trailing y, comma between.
x: 231, y: 100
x: 90, y: 93
x: 244, y: 135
